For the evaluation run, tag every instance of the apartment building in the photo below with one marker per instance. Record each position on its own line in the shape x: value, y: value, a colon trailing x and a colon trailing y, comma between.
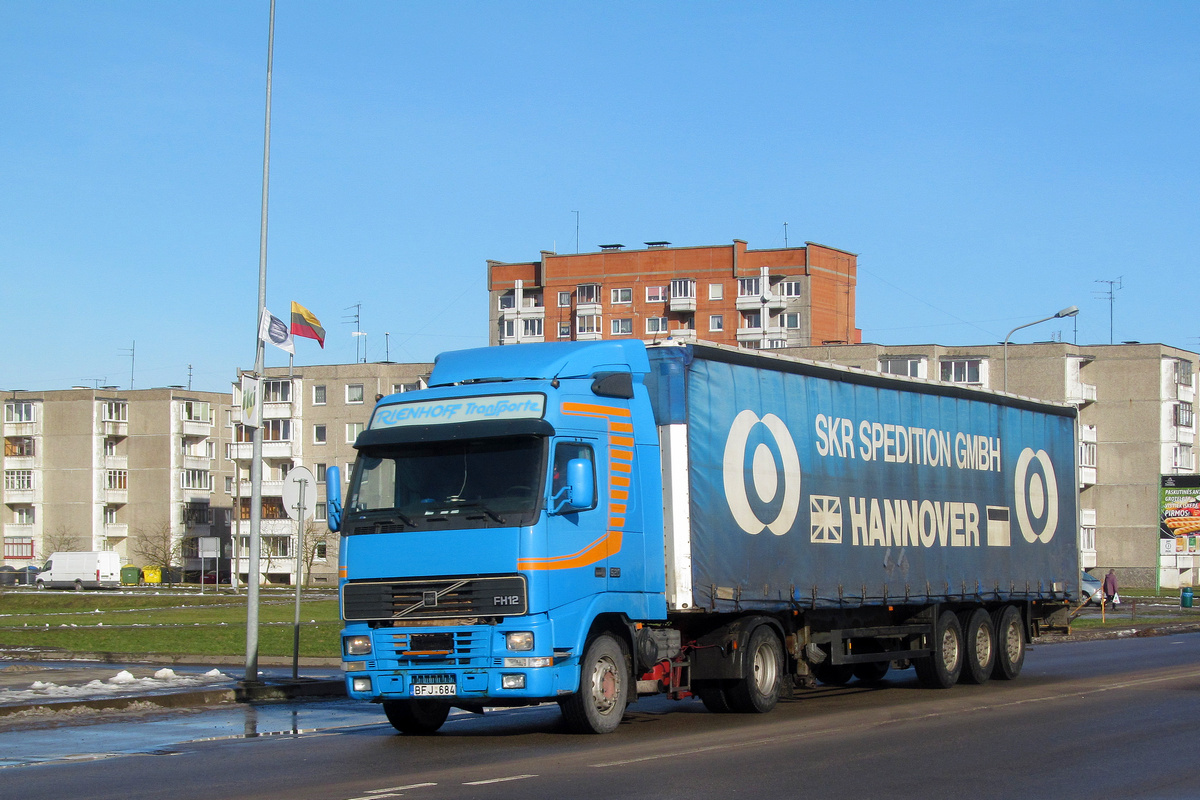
x: 1136, y: 424
x: 138, y: 472
x: 311, y: 419
x: 784, y: 297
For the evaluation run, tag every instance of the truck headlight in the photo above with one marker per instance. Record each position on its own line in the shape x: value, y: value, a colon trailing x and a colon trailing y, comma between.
x: 519, y: 640
x: 512, y: 681
x: 518, y: 662
x: 360, y: 684
x: 357, y: 645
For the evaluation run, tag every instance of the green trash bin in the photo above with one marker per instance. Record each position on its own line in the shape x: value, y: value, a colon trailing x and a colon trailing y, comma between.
x: 152, y: 574
x: 1185, y: 597
x: 131, y: 575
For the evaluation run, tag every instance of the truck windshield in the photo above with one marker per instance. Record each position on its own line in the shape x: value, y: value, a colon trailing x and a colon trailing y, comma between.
x: 494, y: 482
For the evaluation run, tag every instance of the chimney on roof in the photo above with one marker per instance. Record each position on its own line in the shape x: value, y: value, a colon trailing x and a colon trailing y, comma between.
x: 611, y: 246
x: 657, y: 244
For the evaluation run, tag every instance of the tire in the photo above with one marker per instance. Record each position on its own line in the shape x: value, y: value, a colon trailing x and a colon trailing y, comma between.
x: 833, y: 674
x: 79, y: 586
x: 758, y: 690
x: 712, y: 694
x: 41, y: 585
x: 872, y: 672
x: 941, y: 668
x: 979, y: 637
x: 603, y: 693
x: 1010, y: 643
x: 416, y: 717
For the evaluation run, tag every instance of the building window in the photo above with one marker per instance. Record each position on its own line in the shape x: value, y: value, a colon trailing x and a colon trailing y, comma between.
x: 656, y: 324
x: 508, y: 329
x: 587, y: 293
x: 656, y: 294
x: 18, y: 446
x: 790, y: 320
x: 965, y: 370
x: 687, y: 322
x: 277, y: 391
x: 1183, y: 373
x: 228, y: 484
x: 318, y: 395
x: 508, y: 300
x: 354, y: 393
x: 749, y: 287
x: 587, y: 323
x: 913, y: 367
x: 564, y: 299
x: 1184, y: 415
x: 716, y: 291
x: 1181, y: 456
x: 789, y: 289
x: 1087, y: 454
x: 195, y: 411
x: 531, y: 327
x: 277, y: 430
x: 110, y: 515
x: 18, y: 547
x: 400, y: 388
x: 319, y: 469
x: 110, y: 447
x: 115, y: 411
x: 18, y: 412
x: 683, y: 289
x: 320, y: 514
x: 751, y: 319
x: 620, y: 296
x: 564, y: 330
x: 1087, y: 540
x: 621, y: 327
x: 353, y: 429
x: 23, y: 515
x: 318, y: 434
x: 116, y: 480
x: 716, y: 322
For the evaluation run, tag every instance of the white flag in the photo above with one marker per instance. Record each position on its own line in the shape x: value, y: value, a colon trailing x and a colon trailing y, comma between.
x: 275, y: 331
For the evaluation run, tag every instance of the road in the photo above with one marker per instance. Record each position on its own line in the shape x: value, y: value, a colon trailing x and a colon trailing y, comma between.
x: 1106, y: 718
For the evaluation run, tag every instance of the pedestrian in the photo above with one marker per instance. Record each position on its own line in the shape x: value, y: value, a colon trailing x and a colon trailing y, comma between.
x: 1110, y: 588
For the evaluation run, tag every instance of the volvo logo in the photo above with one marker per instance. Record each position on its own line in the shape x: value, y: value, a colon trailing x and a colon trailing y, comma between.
x: 1036, y: 496
x: 769, y: 479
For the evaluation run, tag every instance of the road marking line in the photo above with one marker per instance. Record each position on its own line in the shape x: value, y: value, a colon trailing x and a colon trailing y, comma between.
x: 499, y: 780
x: 400, y: 788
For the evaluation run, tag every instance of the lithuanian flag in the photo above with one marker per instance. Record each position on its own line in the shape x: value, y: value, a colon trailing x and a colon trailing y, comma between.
x: 305, y: 323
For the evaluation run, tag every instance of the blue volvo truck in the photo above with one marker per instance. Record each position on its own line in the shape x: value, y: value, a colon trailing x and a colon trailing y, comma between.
x: 588, y: 522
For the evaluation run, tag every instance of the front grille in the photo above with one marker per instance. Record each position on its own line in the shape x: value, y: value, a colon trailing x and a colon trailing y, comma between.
x: 435, y: 598
x: 460, y: 648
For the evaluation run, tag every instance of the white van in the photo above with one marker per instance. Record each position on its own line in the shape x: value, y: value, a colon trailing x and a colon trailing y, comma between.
x: 86, y: 570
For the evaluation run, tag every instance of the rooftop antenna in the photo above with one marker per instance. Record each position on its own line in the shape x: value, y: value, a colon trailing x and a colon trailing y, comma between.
x: 189, y: 377
x: 1110, y: 294
x: 131, y: 350
x: 785, y: 235
x: 576, y: 213
x: 98, y: 381
x: 356, y: 318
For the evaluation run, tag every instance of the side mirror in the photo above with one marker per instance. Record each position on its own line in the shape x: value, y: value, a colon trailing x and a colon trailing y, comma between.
x: 333, y: 498
x: 579, y: 493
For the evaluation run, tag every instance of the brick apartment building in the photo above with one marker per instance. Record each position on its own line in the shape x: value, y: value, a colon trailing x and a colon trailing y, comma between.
x: 759, y: 299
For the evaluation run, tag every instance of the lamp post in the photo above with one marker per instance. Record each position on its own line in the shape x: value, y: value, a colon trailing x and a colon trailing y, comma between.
x: 1069, y: 311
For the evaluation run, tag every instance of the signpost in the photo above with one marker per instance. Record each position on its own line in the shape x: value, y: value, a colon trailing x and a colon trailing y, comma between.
x: 210, y: 547
x: 299, y: 494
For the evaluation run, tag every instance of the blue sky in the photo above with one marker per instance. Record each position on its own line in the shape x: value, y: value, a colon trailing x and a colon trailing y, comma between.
x: 989, y: 161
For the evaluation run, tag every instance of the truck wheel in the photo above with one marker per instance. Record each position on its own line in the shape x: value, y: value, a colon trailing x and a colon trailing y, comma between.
x: 1010, y: 643
x: 603, y: 688
x: 416, y: 717
x: 712, y: 694
x: 941, y: 668
x: 872, y: 671
x: 980, y: 637
x: 757, y: 691
x: 833, y: 674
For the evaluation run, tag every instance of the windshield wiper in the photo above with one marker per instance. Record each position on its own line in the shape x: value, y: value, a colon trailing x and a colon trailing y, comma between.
x: 384, y: 516
x: 477, y: 505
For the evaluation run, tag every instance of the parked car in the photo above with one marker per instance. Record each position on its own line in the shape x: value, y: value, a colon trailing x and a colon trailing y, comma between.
x: 1090, y: 588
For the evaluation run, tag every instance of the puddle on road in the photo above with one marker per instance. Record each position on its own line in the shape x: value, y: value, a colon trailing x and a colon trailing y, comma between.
x: 167, y: 734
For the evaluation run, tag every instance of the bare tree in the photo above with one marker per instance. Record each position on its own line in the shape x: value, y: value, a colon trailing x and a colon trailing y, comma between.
x: 62, y: 539
x: 156, y: 546
x: 315, y: 543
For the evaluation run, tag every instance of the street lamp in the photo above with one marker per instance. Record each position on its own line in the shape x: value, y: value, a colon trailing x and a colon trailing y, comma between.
x: 1069, y: 311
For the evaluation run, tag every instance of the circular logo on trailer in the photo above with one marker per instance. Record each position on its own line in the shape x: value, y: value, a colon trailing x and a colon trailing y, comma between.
x: 1036, y: 496
x: 769, y: 480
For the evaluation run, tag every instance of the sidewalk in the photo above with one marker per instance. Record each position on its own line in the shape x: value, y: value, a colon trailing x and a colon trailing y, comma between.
x: 48, y: 682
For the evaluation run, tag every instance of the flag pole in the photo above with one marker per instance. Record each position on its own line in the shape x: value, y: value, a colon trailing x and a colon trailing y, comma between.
x: 253, y: 577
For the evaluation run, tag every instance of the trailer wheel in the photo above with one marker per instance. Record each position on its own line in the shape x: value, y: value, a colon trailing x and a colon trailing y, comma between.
x: 603, y: 688
x: 758, y: 690
x: 1010, y: 643
x: 416, y: 717
x: 833, y: 674
x: 980, y: 637
x: 941, y: 668
x: 712, y: 694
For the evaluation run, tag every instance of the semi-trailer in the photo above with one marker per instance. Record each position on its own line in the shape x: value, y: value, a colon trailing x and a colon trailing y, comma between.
x: 588, y: 522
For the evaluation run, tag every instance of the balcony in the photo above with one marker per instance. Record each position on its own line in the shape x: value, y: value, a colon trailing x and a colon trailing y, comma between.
x: 241, y: 451
x: 1081, y: 393
x: 1087, y: 517
x: 20, y: 462
x: 197, y: 462
x: 1185, y: 393
x: 20, y: 428
x: 269, y: 488
x: 684, y: 334
x: 277, y: 410
x: 113, y: 530
x: 113, y: 428
x: 18, y: 530
x: 191, y: 427
x: 115, y: 497
x: 749, y: 334
x: 1087, y: 433
x: 1087, y: 477
x: 116, y: 462
x: 749, y: 302
x: 589, y: 309
x: 682, y: 304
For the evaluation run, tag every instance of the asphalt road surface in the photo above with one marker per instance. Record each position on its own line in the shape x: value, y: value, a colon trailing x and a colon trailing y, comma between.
x: 1108, y: 719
